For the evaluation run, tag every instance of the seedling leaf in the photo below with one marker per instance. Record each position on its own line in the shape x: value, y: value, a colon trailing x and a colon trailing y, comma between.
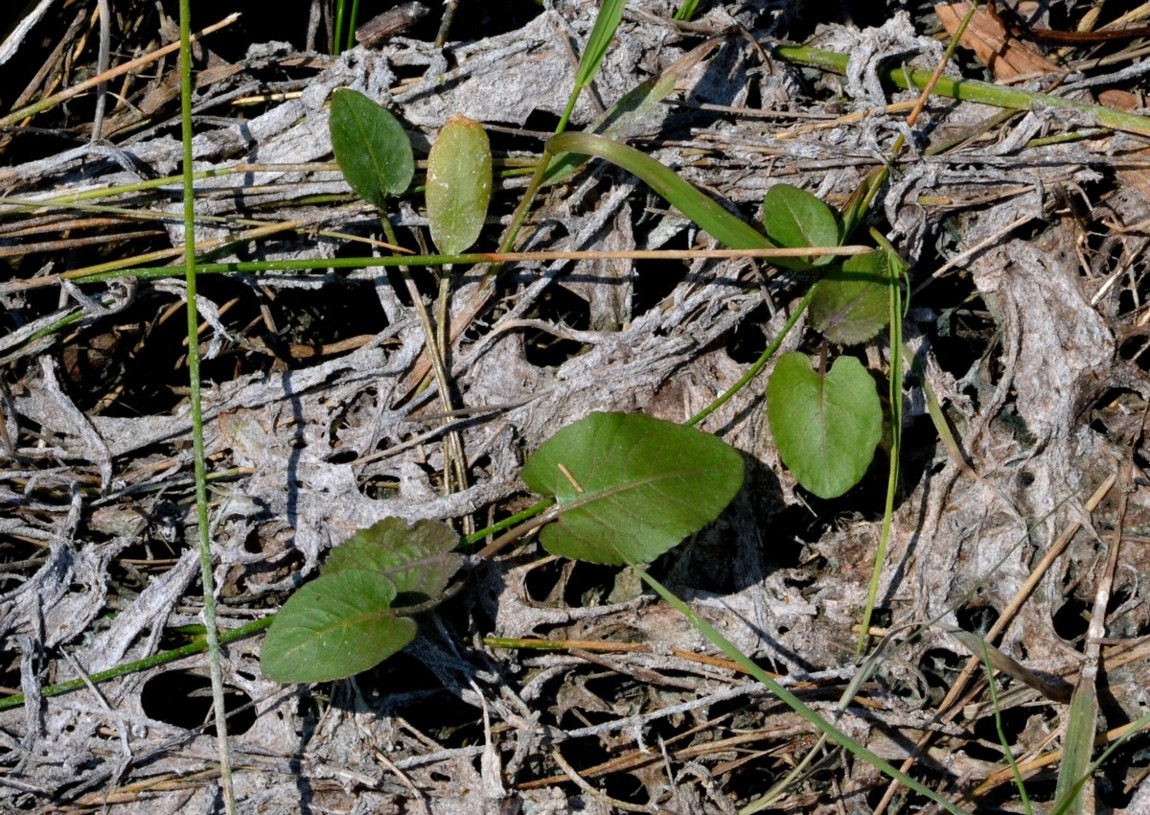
x: 370, y: 146
x: 335, y: 627
x: 630, y: 487
x: 826, y: 428
x: 851, y: 304
x: 418, y: 560
x: 458, y: 184
x: 794, y: 218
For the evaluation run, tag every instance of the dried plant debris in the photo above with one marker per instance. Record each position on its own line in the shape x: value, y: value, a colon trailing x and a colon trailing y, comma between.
x: 1027, y: 320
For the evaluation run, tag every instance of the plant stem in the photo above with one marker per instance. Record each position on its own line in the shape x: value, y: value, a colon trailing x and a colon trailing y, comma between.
x: 197, y: 415
x: 154, y: 661
x: 258, y: 266
x: 971, y: 90
x: 760, y: 363
x: 894, y: 399
x: 508, y: 523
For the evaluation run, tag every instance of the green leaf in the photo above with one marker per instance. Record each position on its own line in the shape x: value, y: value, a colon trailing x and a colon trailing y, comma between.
x: 640, y: 110
x: 825, y: 427
x: 418, y: 560
x: 794, y: 218
x: 606, y: 23
x: 686, y: 11
x: 335, y: 627
x: 851, y: 304
x: 702, y: 209
x: 371, y: 147
x: 458, y: 184
x: 630, y: 487
x: 1077, y: 744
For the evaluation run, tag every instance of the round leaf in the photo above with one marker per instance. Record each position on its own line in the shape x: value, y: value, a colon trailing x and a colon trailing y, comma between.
x: 826, y: 428
x: 630, y: 487
x: 370, y: 146
x: 335, y: 627
x: 458, y: 184
x: 794, y: 218
x: 852, y: 304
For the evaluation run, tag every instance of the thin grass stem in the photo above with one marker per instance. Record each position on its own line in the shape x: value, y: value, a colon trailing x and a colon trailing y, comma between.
x: 197, y: 415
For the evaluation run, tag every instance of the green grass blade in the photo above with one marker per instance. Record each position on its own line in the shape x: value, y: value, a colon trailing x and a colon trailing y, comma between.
x: 790, y: 700
x: 337, y: 34
x: 686, y: 11
x: 610, y: 13
x: 1003, y: 740
x: 897, y: 269
x: 639, y: 110
x: 700, y: 208
x: 198, y: 646
x: 351, y: 24
x: 1136, y: 727
x: 1077, y: 745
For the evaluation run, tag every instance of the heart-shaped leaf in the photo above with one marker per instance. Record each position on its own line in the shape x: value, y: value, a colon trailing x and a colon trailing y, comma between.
x: 458, y: 184
x: 335, y: 627
x: 794, y: 218
x: 826, y: 428
x: 370, y: 146
x: 418, y: 560
x: 851, y: 304
x: 630, y: 487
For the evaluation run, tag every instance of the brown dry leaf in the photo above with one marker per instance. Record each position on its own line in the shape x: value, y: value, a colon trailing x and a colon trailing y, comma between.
x: 1008, y: 58
x: 1137, y: 178
x: 1005, y: 56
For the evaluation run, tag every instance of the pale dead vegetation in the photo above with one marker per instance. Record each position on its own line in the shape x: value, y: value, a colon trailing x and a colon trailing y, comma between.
x: 1028, y: 316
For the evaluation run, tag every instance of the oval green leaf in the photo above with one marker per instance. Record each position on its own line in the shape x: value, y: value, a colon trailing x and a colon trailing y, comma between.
x: 418, y: 559
x: 630, y: 487
x: 458, y: 184
x: 851, y: 304
x: 826, y: 428
x: 793, y: 218
x: 335, y: 627
x: 370, y: 146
